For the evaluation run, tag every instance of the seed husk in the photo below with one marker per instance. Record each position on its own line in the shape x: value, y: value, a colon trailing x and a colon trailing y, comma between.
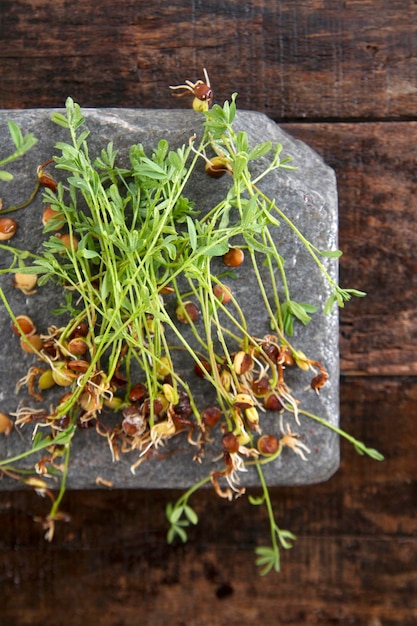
x: 217, y: 166
x: 223, y: 293
x: 78, y: 346
x: 49, y: 213
x: 243, y: 401
x: 272, y: 402
x: 187, y: 311
x: 234, y: 257
x: 69, y: 241
x: 211, y: 416
x: 6, y: 424
x: 24, y: 326
x: 61, y: 375
x: 138, y: 392
x: 230, y: 443
x: 46, y: 380
x: 25, y: 282
x: 8, y: 228
x: 242, y: 363
x: 31, y: 343
x: 268, y: 444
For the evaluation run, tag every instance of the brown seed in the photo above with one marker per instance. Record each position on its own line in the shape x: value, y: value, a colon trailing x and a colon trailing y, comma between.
x: 268, y: 444
x: 81, y: 330
x: 25, y: 282
x: 272, y: 402
x: 46, y: 179
x: 286, y: 357
x: 69, y: 241
x: 319, y: 381
x: 203, y: 369
x: 26, y: 325
x: 8, y: 228
x: 49, y: 213
x: 223, y: 293
x: 157, y: 406
x: 138, y: 392
x: 243, y: 401
x: 77, y: 346
x: 187, y: 311
x: 271, y: 350
x: 230, y: 443
x: 78, y: 365
x: 31, y: 343
x: 211, y: 416
x: 234, y: 257
x: 260, y: 387
x: 183, y: 407
x: 242, y: 363
x: 133, y: 422
x: 6, y: 424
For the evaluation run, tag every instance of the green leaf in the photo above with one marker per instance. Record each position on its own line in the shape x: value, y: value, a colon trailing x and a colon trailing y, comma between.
x: 362, y: 449
x: 192, y: 233
x: 6, y: 176
x: 161, y: 151
x: 268, y: 557
x: 331, y: 254
x: 15, y: 133
x: 151, y: 169
x: 296, y: 310
x: 88, y: 254
x: 330, y: 302
x: 256, y: 501
x: 249, y: 212
x: 176, y: 531
x: 218, y: 249
x: 242, y: 142
x: 60, y: 120
x: 191, y: 514
x: 374, y: 454
x: 176, y: 514
x: 286, y: 538
x: 239, y: 164
x: 260, y: 150
x: 356, y: 292
x: 106, y: 286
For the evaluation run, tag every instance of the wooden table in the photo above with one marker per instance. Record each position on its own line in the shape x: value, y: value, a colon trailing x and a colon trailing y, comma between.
x: 342, y: 76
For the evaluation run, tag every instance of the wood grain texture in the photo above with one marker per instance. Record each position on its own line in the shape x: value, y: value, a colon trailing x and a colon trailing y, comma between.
x: 304, y: 60
x: 341, y: 76
x: 375, y: 169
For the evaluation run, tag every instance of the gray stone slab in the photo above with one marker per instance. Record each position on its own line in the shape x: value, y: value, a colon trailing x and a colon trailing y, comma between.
x: 309, y: 198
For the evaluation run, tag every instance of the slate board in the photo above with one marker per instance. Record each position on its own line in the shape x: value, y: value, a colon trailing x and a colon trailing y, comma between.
x: 308, y: 196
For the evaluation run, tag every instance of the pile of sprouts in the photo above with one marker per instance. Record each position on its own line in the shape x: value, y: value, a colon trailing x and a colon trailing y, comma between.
x: 135, y: 260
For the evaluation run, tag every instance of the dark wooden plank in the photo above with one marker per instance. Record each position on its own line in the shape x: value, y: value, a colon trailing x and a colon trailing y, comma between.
x: 375, y: 169
x: 353, y: 562
x: 309, y: 60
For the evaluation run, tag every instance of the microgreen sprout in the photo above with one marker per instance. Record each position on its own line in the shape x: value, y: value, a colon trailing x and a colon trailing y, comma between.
x: 136, y: 263
x: 22, y: 144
